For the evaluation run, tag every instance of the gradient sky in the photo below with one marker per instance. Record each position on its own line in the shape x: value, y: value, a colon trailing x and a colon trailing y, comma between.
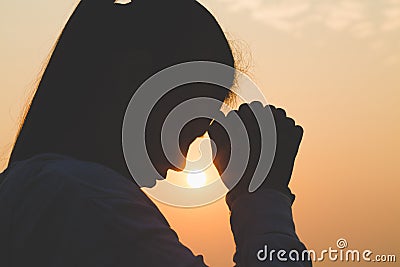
x: 333, y: 65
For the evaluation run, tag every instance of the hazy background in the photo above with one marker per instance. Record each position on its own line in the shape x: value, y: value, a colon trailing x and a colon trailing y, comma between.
x: 334, y: 65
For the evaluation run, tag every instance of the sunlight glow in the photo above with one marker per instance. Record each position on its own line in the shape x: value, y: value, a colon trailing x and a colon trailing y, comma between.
x: 196, y: 180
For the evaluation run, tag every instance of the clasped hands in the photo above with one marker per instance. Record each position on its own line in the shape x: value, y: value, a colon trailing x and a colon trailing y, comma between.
x: 272, y: 140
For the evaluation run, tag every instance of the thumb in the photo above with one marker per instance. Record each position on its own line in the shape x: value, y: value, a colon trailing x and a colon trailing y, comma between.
x: 221, y: 146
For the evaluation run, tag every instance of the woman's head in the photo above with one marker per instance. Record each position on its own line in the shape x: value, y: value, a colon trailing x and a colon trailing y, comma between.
x: 105, y: 52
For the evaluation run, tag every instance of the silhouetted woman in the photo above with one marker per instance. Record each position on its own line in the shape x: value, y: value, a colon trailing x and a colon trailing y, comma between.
x: 67, y: 197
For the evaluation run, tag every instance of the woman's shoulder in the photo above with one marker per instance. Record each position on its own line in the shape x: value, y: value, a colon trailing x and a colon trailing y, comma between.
x: 56, y: 196
x: 53, y: 172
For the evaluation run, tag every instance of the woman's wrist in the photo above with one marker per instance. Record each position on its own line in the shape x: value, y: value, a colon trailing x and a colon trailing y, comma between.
x: 233, y: 196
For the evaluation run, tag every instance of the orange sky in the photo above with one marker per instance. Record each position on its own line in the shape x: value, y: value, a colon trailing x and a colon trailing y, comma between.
x: 333, y: 65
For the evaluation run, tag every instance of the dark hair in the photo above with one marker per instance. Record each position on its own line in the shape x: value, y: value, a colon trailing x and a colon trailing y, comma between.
x: 80, y: 94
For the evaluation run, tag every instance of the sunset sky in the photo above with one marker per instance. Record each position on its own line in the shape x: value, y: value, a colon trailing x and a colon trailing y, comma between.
x: 334, y: 65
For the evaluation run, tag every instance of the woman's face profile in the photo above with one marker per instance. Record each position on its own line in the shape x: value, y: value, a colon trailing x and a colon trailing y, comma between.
x: 168, y: 145
x: 169, y: 109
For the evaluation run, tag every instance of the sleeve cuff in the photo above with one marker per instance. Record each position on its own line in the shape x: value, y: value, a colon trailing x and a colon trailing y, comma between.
x: 262, y: 212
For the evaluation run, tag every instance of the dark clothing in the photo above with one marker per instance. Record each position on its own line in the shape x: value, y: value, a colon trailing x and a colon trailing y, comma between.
x: 57, y: 211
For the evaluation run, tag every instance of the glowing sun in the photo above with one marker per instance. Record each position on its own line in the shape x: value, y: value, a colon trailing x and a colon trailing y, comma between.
x: 196, y: 180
